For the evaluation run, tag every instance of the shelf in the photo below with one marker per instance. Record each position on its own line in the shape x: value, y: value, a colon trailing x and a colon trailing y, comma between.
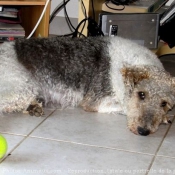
x: 30, y: 13
x: 22, y: 2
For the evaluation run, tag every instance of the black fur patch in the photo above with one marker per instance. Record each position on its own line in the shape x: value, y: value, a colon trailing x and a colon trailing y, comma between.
x: 78, y: 63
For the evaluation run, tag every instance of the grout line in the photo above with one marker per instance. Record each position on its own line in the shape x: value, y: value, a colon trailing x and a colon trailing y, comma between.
x: 96, y: 146
x: 25, y: 137
x: 12, y: 150
x: 151, y: 164
x: 14, y: 134
x: 165, y: 156
x: 41, y: 123
x: 77, y: 143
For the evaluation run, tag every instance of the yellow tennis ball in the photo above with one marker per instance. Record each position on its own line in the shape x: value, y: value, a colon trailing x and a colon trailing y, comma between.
x: 3, y: 146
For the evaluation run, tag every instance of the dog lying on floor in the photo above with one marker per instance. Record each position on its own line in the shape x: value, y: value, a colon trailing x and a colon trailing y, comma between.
x: 107, y: 75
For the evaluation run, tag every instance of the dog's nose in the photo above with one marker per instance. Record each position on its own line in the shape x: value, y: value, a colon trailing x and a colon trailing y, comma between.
x: 143, y: 131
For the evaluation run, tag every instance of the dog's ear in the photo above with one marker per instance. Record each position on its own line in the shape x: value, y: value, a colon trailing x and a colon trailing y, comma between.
x: 173, y: 82
x: 134, y: 75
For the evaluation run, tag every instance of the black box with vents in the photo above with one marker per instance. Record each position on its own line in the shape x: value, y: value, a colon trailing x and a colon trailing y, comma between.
x: 142, y: 28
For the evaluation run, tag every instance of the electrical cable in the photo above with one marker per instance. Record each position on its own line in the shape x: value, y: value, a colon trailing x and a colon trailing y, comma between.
x: 57, y: 9
x: 92, y: 26
x: 93, y: 9
x: 85, y: 14
x: 83, y: 8
x: 67, y: 18
x: 106, y: 3
x: 76, y: 30
x: 39, y: 20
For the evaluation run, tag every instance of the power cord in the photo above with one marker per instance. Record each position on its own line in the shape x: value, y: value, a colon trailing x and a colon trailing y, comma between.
x: 93, y: 9
x: 119, y: 9
x: 118, y: 3
x: 75, y: 30
x: 57, y: 9
x: 85, y: 14
x: 39, y: 20
x: 67, y: 18
x: 93, y: 28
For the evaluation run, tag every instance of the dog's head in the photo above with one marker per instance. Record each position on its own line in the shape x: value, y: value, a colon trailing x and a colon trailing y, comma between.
x: 151, y: 94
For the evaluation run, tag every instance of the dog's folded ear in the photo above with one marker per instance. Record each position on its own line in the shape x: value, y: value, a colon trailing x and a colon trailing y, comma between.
x: 173, y: 82
x: 134, y: 75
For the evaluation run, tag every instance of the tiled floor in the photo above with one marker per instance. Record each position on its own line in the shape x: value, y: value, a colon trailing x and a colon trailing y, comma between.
x: 65, y: 142
x: 76, y: 142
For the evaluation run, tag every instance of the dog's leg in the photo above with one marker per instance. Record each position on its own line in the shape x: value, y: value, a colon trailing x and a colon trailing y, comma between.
x: 90, y: 107
x: 14, y: 98
x: 103, y: 105
x: 35, y: 108
x: 18, y: 88
x: 109, y: 105
x: 16, y: 103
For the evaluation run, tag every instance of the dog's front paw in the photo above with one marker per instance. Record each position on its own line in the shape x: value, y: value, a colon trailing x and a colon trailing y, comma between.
x: 166, y: 120
x: 35, y: 109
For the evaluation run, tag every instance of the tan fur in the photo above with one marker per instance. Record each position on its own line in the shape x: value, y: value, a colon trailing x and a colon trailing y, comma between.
x: 158, y: 88
x: 134, y: 75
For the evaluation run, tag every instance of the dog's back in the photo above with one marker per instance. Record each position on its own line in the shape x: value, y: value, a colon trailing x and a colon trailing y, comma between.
x: 66, y: 66
x: 65, y: 70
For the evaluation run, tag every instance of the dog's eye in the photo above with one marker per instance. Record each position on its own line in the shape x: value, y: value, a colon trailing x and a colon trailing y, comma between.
x: 141, y: 95
x: 163, y: 104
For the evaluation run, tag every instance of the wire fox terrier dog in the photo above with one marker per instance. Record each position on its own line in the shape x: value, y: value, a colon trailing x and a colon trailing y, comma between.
x: 105, y: 75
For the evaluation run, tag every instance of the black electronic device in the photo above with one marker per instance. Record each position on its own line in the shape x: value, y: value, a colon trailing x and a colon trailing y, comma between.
x: 142, y: 28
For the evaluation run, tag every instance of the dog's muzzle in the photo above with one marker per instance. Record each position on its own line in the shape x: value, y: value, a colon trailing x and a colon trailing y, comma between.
x: 143, y: 131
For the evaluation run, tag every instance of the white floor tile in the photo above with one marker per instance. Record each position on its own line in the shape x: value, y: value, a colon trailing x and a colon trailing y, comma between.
x: 163, y: 166
x: 167, y: 148
x: 105, y: 130
x: 43, y: 157
x: 18, y: 123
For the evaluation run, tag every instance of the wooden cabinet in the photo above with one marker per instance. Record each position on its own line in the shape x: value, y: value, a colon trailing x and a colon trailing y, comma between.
x: 30, y: 13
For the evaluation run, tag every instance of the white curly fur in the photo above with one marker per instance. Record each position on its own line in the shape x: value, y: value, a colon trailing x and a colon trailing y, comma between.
x: 111, y: 82
x: 124, y: 53
x: 61, y: 96
x: 14, y: 81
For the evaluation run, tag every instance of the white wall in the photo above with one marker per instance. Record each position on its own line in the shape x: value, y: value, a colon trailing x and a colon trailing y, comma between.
x: 72, y: 8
